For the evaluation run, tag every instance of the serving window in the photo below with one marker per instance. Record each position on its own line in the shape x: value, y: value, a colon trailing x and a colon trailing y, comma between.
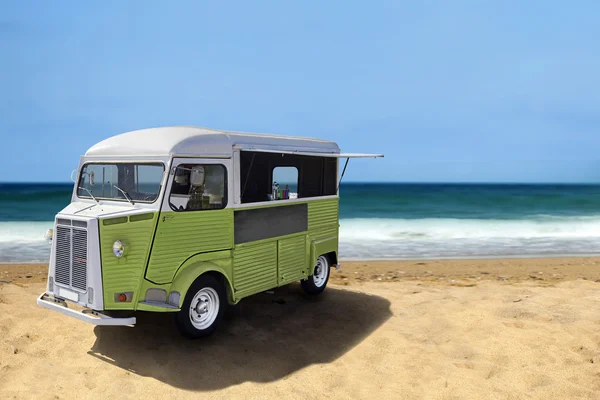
x: 199, y: 187
x: 302, y: 176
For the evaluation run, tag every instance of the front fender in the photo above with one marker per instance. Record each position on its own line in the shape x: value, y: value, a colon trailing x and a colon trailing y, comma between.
x: 220, y: 262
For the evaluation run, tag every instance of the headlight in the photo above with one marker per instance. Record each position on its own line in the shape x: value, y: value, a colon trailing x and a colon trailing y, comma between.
x: 118, y: 249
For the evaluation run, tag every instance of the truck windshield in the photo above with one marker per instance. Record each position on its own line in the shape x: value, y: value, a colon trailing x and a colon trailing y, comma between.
x: 140, y: 182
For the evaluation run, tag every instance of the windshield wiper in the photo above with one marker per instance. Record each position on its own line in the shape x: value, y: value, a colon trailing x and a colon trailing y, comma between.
x: 90, y: 193
x: 127, y: 196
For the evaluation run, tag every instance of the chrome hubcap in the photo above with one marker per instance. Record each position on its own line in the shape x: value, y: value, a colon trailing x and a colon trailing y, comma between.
x: 204, y: 308
x: 321, y: 272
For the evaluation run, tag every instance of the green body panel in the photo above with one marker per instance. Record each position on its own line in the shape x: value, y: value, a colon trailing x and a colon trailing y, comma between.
x: 292, y: 260
x: 320, y: 247
x: 124, y: 274
x: 254, y: 267
x: 189, y: 244
x: 264, y: 264
x: 181, y: 235
x: 192, y: 269
x: 323, y: 228
x: 219, y: 261
x: 323, y: 215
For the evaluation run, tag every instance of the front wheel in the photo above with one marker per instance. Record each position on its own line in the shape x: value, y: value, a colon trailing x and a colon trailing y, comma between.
x: 316, y: 282
x: 202, y: 308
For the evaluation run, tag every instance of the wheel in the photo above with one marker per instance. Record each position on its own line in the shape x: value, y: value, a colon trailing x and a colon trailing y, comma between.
x: 202, y: 308
x: 316, y: 282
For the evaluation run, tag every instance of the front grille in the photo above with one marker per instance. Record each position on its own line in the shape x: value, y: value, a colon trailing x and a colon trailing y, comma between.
x: 71, y: 254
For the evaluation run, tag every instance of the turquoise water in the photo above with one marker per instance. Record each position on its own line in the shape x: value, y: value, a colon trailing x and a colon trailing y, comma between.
x: 385, y: 220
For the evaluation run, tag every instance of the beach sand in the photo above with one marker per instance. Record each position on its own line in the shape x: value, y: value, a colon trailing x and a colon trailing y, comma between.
x: 452, y: 329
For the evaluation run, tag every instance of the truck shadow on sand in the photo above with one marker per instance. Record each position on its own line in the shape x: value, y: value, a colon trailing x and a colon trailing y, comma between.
x: 264, y: 338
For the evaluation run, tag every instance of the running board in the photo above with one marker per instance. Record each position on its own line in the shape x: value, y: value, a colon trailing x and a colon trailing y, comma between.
x: 156, y: 306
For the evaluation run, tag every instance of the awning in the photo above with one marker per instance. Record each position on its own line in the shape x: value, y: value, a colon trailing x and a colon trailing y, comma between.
x: 358, y: 155
x: 315, y: 154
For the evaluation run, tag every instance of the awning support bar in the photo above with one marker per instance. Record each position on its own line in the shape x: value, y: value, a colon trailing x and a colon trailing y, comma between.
x: 343, y: 172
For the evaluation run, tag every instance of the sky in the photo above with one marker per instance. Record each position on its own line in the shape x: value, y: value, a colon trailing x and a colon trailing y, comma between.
x: 450, y: 91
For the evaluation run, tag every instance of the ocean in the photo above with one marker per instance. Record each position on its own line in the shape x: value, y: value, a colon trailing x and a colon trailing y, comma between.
x: 385, y: 220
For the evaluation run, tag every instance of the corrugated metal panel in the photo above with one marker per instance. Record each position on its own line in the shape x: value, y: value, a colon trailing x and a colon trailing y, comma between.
x: 79, y: 267
x: 71, y: 254
x: 254, y: 268
x: 322, y: 214
x: 267, y: 264
x: 124, y: 274
x: 63, y: 254
x: 324, y: 233
x: 323, y: 222
x: 181, y: 235
x: 292, y: 259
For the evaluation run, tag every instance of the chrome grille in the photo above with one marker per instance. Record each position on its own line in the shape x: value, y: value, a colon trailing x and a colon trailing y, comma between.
x: 71, y: 254
x: 63, y: 255
x: 79, y: 269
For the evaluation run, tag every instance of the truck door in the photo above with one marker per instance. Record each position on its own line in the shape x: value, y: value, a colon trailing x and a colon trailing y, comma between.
x: 194, y: 216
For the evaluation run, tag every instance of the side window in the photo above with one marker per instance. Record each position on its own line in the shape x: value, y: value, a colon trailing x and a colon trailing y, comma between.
x: 285, y: 183
x: 199, y: 187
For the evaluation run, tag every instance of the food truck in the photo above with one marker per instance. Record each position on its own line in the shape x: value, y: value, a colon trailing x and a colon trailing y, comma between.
x: 187, y: 220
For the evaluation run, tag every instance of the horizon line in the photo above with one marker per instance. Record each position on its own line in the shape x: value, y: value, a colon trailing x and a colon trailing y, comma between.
x: 377, y: 182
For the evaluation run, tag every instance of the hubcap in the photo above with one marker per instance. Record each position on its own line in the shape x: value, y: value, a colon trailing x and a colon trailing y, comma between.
x: 321, y: 270
x: 204, y: 308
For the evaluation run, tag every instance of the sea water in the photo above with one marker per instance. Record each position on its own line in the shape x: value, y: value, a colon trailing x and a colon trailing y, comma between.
x: 386, y: 220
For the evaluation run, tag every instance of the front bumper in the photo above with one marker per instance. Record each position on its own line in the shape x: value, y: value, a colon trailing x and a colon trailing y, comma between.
x: 88, y: 315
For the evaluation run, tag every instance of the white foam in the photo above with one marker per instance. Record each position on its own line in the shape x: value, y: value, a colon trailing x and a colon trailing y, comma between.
x: 444, y: 237
x: 447, y: 228
x: 24, y: 241
x: 23, y: 232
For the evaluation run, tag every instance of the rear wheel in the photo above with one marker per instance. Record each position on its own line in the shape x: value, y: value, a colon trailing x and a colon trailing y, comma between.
x: 317, y: 282
x: 202, y: 308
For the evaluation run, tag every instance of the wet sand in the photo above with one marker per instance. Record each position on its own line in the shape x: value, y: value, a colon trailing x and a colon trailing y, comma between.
x: 476, y: 329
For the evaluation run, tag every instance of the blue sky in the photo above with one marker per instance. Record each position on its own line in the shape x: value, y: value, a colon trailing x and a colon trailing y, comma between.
x: 448, y: 90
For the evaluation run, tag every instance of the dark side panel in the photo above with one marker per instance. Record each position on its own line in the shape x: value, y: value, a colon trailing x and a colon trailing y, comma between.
x: 265, y: 223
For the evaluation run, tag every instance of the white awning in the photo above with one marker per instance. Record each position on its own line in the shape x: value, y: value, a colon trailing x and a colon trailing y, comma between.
x: 358, y: 155
x: 314, y: 154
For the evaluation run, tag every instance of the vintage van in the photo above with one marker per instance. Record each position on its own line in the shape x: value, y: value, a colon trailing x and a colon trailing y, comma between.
x: 187, y: 220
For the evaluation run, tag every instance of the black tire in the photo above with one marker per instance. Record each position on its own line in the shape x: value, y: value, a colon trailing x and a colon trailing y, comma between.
x: 211, y: 289
x: 317, y: 281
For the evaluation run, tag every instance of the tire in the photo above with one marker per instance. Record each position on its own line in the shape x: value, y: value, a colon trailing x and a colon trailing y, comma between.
x: 316, y: 283
x: 202, y: 309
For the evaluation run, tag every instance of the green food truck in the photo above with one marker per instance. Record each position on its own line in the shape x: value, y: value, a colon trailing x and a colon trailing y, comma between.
x: 187, y: 220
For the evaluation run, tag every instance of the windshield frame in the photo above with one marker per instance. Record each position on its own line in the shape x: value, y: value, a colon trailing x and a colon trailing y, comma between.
x: 156, y: 163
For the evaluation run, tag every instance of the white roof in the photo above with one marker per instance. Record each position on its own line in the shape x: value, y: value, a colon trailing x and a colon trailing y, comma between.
x: 195, y: 141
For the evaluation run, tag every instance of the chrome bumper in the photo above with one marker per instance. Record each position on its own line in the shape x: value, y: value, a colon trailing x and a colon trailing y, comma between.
x: 88, y: 315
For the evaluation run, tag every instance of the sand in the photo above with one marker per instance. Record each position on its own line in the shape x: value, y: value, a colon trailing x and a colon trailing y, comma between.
x: 472, y: 329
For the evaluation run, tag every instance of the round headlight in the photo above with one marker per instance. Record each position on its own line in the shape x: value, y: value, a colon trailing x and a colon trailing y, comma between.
x: 118, y: 249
